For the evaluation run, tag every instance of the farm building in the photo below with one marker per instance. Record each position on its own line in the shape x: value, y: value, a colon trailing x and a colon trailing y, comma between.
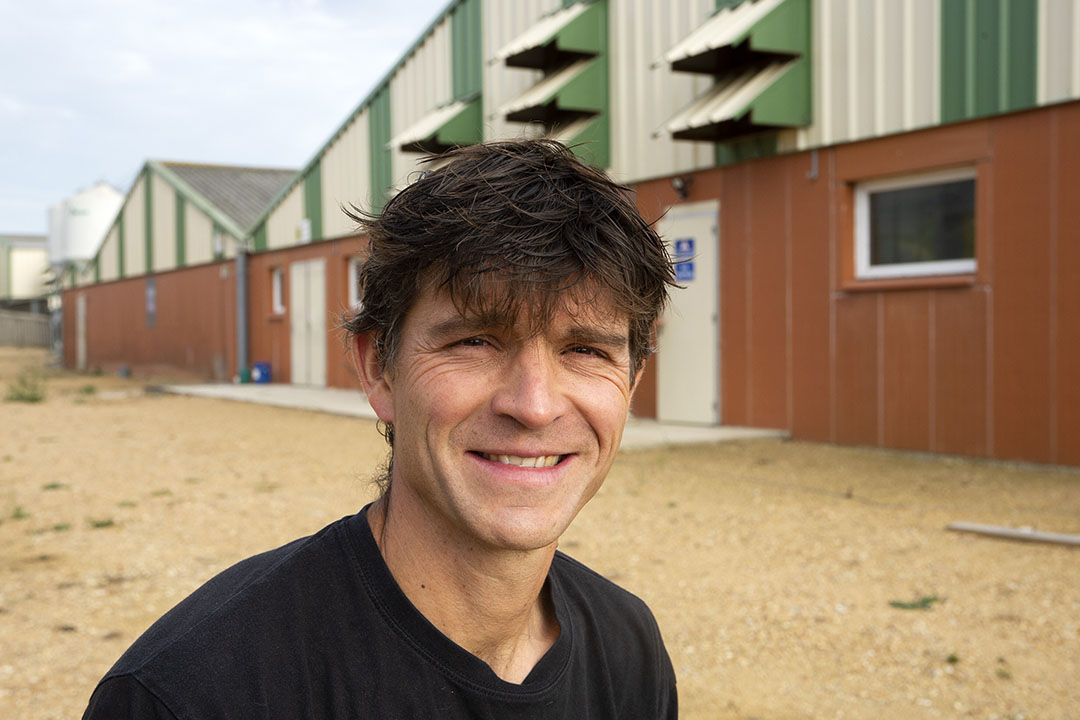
x: 24, y: 260
x: 869, y: 205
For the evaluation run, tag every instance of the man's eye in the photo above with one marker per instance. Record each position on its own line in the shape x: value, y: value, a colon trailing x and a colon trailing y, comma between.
x: 585, y: 350
x: 472, y: 342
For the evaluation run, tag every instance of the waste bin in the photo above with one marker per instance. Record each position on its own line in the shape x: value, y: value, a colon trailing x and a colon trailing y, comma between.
x: 261, y: 372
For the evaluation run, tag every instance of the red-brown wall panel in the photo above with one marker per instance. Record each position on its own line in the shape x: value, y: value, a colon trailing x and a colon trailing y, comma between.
x: 734, y: 253
x: 810, y: 277
x: 906, y: 370
x: 857, y: 394
x: 960, y: 381
x: 767, y: 359
x: 1067, y: 241
x: 1021, y: 298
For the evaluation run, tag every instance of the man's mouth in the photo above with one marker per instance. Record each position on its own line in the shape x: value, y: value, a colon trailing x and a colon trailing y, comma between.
x: 543, y: 461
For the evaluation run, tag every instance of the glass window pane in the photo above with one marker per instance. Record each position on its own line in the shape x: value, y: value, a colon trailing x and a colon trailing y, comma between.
x: 923, y: 224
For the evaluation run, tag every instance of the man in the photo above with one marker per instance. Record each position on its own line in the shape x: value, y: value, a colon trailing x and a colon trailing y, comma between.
x: 509, y: 298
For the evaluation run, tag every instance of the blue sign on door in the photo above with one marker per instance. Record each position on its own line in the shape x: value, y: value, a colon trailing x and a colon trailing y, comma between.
x: 684, y: 259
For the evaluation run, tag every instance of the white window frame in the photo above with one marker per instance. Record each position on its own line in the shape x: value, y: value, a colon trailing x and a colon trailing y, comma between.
x: 354, y: 276
x: 277, y: 291
x: 863, y: 269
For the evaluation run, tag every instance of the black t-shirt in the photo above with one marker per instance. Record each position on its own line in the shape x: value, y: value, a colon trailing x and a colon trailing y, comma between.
x: 320, y: 629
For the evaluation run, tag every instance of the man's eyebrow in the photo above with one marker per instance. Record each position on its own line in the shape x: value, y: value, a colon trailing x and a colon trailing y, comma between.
x: 594, y: 336
x: 455, y: 324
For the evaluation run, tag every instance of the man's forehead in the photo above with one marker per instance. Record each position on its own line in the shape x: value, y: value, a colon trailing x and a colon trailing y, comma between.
x: 571, y: 310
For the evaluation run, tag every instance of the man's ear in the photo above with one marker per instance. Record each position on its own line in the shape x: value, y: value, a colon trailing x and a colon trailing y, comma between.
x: 376, y: 386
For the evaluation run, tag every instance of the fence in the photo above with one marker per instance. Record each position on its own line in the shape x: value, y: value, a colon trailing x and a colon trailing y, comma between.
x: 24, y: 329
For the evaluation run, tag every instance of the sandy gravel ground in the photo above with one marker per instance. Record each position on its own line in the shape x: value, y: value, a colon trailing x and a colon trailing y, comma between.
x: 770, y: 565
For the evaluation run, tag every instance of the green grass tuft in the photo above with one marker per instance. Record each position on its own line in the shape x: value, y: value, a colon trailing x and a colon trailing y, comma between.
x: 923, y: 603
x: 102, y: 523
x: 27, y: 387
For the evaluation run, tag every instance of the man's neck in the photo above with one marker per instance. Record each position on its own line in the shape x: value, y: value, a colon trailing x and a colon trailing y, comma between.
x: 492, y: 603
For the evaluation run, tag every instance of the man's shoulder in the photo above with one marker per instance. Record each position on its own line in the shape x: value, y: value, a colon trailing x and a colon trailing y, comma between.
x: 245, y: 611
x: 606, y: 605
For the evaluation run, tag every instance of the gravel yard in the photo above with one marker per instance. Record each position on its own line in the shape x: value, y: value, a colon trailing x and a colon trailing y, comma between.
x: 771, y: 566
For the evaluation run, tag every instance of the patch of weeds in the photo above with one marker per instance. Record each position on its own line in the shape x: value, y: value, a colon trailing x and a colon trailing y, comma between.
x: 923, y: 603
x: 126, y: 504
x: 102, y: 523
x: 27, y: 387
x: 53, y: 486
x: 163, y: 492
x: 193, y: 480
x: 266, y: 487
x: 61, y: 527
x: 8, y: 458
x: 66, y: 628
x: 87, y: 390
x: 19, y: 513
x: 952, y: 659
x: 1003, y: 670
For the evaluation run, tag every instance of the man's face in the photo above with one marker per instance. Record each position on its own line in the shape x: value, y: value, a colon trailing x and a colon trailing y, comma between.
x: 501, y: 435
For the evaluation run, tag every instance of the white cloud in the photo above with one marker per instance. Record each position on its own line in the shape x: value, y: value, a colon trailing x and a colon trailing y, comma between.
x: 92, y: 89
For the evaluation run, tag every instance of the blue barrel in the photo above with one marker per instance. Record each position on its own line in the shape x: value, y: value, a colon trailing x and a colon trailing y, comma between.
x: 261, y: 372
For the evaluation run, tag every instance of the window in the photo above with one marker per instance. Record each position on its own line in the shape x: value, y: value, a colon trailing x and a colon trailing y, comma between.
x: 354, y: 282
x: 277, y: 291
x: 915, y: 225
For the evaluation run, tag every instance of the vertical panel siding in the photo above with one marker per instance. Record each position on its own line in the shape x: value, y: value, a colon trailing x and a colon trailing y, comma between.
x: 467, y: 48
x: 200, y: 230
x: 767, y: 336
x: 988, y: 57
x: 643, y: 98
x: 346, y: 172
x: 857, y: 369
x: 133, y: 217
x: 502, y: 22
x: 282, y: 224
x: 164, y: 223
x: 108, y: 269
x: 1058, y: 50
x: 378, y: 137
x: 960, y: 382
x: 313, y: 199
x: 1066, y: 235
x: 875, y: 68
x: 423, y: 83
x: 735, y: 305
x: 906, y: 370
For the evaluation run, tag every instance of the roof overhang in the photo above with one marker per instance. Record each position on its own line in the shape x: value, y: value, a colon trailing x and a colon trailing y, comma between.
x: 701, y: 50
x: 453, y: 125
x: 569, y: 31
x: 728, y: 109
x: 573, y: 89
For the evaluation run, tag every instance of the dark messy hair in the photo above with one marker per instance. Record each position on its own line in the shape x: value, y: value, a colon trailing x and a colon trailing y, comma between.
x: 504, y: 226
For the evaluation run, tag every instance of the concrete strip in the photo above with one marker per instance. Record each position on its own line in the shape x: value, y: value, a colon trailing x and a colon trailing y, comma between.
x: 639, y: 433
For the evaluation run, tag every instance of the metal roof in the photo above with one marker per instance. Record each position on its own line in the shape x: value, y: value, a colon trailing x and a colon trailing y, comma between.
x: 240, y: 193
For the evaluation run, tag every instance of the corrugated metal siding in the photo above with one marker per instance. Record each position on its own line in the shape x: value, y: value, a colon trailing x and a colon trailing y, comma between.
x: 643, y: 97
x: 876, y: 69
x: 134, y: 215
x: 200, y: 230
x: 423, y: 83
x: 282, y: 223
x: 164, y: 223
x: 1059, y: 50
x: 346, y: 173
x: 504, y: 21
x: 108, y: 267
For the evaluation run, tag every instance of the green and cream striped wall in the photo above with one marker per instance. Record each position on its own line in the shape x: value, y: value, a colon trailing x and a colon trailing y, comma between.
x: 161, y: 226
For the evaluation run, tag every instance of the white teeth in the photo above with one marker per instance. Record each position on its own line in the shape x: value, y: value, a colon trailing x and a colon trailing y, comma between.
x: 528, y: 462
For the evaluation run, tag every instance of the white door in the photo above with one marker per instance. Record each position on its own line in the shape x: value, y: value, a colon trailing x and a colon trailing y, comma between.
x: 80, y: 331
x: 307, y: 322
x: 688, y: 361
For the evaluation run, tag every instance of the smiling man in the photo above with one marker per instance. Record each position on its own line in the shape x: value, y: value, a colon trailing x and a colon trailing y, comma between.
x: 509, y: 298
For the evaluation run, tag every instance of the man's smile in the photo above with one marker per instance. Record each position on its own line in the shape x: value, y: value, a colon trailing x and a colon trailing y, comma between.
x: 542, y: 461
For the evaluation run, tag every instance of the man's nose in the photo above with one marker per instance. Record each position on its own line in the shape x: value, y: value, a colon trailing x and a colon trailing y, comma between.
x: 530, y: 388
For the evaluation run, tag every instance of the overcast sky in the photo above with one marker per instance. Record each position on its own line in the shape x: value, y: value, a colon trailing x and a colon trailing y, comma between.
x: 91, y: 89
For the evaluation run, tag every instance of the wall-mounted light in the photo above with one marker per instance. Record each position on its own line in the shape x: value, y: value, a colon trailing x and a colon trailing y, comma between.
x: 681, y: 185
